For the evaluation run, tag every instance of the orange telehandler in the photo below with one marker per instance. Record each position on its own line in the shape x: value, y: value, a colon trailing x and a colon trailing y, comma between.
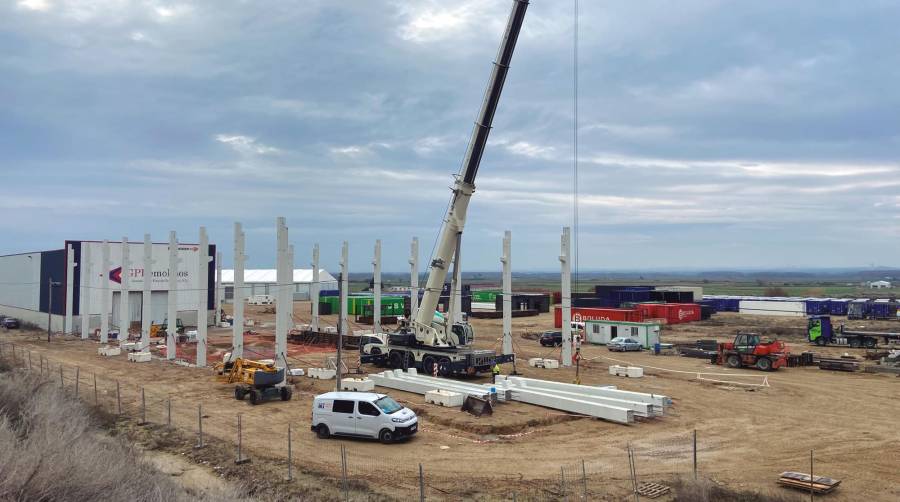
x: 749, y: 350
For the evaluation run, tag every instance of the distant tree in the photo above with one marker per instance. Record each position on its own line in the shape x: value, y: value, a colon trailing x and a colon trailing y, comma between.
x: 775, y: 291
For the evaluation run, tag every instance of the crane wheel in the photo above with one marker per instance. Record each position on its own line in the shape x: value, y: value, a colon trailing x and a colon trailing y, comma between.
x: 764, y: 364
x: 239, y: 393
x: 286, y: 393
x: 428, y: 365
x: 445, y: 369
x: 733, y: 361
x: 395, y: 359
x: 255, y: 397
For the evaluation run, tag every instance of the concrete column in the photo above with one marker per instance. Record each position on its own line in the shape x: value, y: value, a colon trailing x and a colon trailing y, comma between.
x: 413, y: 278
x: 284, y: 273
x: 376, y: 308
x: 172, y: 316
x: 124, y: 310
x: 507, y: 292
x: 345, y: 287
x: 237, y: 333
x: 202, y: 310
x: 565, y: 261
x: 70, y: 287
x: 220, y: 290
x: 87, y: 290
x: 314, y: 290
x: 146, y: 305
x: 105, y: 300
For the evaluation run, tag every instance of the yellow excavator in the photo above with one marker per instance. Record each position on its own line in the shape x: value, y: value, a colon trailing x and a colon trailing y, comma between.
x: 257, y: 379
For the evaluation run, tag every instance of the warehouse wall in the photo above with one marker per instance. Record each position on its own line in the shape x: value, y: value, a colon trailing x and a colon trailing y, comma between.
x: 20, y: 281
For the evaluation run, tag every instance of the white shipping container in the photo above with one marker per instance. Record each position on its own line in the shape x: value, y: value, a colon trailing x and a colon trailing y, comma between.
x: 773, y: 308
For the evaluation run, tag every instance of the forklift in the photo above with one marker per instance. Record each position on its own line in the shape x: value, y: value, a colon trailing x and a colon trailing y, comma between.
x: 751, y: 351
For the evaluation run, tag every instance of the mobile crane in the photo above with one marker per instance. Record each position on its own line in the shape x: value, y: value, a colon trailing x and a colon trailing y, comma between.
x: 430, y: 341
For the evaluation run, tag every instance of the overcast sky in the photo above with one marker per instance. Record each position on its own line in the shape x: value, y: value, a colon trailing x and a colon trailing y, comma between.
x: 712, y: 134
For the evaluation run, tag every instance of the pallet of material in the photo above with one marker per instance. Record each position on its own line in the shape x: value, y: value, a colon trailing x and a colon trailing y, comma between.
x: 800, y: 480
x: 882, y: 368
x: 838, y: 365
x: 695, y: 352
x: 652, y: 490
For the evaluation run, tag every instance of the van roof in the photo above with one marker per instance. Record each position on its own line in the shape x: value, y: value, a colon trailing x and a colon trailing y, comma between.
x: 356, y: 396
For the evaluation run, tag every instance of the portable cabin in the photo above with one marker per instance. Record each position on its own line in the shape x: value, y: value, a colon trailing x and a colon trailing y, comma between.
x: 602, y: 332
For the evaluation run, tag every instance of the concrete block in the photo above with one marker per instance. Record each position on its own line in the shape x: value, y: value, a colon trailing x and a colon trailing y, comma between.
x: 130, y: 346
x: 297, y: 372
x: 109, y: 351
x: 330, y: 329
x: 626, y: 371
x: 444, y: 398
x: 321, y: 373
x: 139, y: 357
x: 536, y: 362
x: 635, y: 372
x: 551, y: 363
x: 357, y: 384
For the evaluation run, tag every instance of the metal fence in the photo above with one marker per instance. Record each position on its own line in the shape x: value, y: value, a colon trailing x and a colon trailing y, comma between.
x: 612, y: 470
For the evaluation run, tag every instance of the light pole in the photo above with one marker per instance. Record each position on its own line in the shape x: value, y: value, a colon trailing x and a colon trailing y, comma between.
x: 51, y: 285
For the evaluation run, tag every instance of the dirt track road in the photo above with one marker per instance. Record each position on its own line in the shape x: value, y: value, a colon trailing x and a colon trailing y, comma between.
x: 746, y: 437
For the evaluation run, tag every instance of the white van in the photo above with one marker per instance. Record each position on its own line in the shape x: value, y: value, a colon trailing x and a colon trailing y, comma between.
x: 362, y: 414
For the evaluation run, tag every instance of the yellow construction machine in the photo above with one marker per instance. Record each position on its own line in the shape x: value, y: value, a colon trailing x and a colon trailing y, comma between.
x: 257, y: 379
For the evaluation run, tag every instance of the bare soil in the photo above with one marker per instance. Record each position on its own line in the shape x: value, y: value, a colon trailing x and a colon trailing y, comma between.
x: 746, y: 435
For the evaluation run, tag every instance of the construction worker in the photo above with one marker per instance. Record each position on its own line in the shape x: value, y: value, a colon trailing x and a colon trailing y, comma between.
x: 494, y: 372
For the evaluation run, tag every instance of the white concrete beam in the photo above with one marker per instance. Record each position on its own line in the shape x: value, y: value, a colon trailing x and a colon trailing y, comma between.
x: 565, y: 261
x: 314, y: 290
x: 146, y: 305
x: 237, y: 332
x: 376, y: 278
x: 124, y: 310
x: 284, y: 273
x: 507, y: 292
x: 68, y: 328
x: 345, y: 288
x: 105, y: 298
x: 87, y: 280
x: 172, y: 297
x: 202, y: 304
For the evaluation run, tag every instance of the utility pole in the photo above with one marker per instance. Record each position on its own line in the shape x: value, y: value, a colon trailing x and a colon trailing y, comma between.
x: 342, y: 318
x: 50, y: 284
x: 124, y: 311
x: 376, y: 282
x: 507, y: 293
x: 314, y: 291
x: 565, y: 261
x: 146, y: 292
x: 87, y: 278
x: 237, y: 332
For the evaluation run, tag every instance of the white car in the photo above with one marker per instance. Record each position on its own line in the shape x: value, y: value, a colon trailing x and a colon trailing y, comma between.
x: 362, y: 414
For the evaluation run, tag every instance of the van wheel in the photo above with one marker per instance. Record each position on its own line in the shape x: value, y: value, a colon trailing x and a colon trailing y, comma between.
x: 322, y: 432
x: 386, y: 436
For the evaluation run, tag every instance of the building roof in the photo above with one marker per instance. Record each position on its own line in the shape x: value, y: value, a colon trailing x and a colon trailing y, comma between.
x: 269, y: 276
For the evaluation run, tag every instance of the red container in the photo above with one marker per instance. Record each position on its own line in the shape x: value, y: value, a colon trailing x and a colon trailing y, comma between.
x: 652, y: 310
x: 582, y: 314
x: 676, y: 313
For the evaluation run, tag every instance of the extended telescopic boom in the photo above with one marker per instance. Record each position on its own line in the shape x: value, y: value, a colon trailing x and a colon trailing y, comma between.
x: 425, y: 329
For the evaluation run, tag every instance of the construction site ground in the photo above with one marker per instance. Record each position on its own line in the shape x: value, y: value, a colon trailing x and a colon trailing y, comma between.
x: 747, y: 434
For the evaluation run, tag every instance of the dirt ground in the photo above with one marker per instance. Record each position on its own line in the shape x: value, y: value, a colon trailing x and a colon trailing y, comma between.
x: 746, y: 435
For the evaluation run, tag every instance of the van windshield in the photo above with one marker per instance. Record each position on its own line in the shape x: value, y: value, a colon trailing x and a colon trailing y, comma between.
x: 388, y: 405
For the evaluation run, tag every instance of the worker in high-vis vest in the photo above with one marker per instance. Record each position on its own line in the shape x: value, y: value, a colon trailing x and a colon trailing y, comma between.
x: 494, y: 372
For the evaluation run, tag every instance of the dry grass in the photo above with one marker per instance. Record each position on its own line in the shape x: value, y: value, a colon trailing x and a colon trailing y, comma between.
x: 51, y: 449
x: 703, y: 490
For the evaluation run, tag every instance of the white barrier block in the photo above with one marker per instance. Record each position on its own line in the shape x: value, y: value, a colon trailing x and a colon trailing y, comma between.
x: 130, y: 346
x: 109, y: 351
x: 322, y: 373
x: 139, y: 357
x: 536, y: 362
x: 357, y: 384
x: 297, y: 372
x: 551, y: 364
x: 635, y: 371
x: 444, y: 398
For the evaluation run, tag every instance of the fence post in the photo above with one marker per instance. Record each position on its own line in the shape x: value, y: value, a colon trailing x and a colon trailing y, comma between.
x: 77, y: 379
x: 96, y: 401
x: 695, y: 454
x: 634, y: 485
x: 29, y: 361
x: 199, y: 426
x: 290, y: 457
x: 344, y: 473
x: 562, y: 482
x: 118, y: 400
x: 41, y: 359
x: 143, y: 408
x: 169, y: 412
x: 810, y: 475
x: 421, y: 484
x: 62, y: 384
x: 241, y: 459
x: 584, y: 479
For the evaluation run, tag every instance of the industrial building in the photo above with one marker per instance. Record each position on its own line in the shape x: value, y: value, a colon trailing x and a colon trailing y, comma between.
x: 265, y: 282
x: 74, y: 282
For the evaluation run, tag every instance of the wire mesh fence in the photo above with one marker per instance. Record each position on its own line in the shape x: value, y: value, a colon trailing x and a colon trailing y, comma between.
x: 355, y: 467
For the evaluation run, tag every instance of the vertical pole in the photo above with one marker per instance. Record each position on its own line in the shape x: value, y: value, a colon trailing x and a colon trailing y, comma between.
x: 237, y: 333
x: 507, y: 292
x: 203, y: 300
x: 96, y: 400
x: 29, y: 360
x: 562, y: 482
x: 105, y: 292
x: 77, y: 379
x: 695, y: 454
x: 87, y: 290
x: 124, y: 306
x: 342, y: 327
x: 49, y: 306
x: 634, y: 485
x: 584, y: 479
x: 239, y: 456
x: 172, y: 297
x: 68, y: 328
x: 62, y: 384
x: 169, y: 412
x: 413, y: 278
x: 344, y: 473
x: 565, y: 261
x: 199, y: 426
x: 810, y: 475
x: 220, y: 290
x: 290, y: 457
x: 314, y: 288
x: 421, y: 484
x: 143, y: 407
x: 118, y: 400
x: 146, y: 292
x: 284, y: 272
x: 376, y: 279
x: 41, y: 358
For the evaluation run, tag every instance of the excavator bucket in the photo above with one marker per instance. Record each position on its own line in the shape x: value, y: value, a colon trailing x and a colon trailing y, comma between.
x: 478, y: 406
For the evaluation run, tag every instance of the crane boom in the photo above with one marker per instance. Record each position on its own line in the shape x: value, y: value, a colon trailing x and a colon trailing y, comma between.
x: 426, y: 330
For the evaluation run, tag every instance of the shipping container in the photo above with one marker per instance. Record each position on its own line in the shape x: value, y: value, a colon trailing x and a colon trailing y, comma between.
x: 859, y: 309
x: 673, y: 313
x: 838, y: 306
x: 589, y: 314
x: 883, y: 309
x: 773, y: 308
x: 603, y: 332
x: 818, y: 306
x: 593, y: 303
x: 526, y: 301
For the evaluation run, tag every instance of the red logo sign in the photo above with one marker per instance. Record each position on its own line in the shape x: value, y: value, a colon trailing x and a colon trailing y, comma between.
x: 115, y: 275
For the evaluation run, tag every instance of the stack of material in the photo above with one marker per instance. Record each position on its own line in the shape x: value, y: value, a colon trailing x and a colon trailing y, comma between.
x: 838, y: 364
x: 801, y: 481
x: 802, y: 359
x: 890, y: 363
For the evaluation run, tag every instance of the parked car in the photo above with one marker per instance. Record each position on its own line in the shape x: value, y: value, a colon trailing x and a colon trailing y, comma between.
x: 624, y: 344
x: 551, y: 338
x: 11, y: 323
x: 362, y: 414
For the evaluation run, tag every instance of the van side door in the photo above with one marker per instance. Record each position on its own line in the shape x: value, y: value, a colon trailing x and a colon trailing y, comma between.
x: 368, y: 419
x: 343, y: 417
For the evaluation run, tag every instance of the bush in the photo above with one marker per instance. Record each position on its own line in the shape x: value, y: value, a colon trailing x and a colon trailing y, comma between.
x: 703, y: 490
x: 51, y: 450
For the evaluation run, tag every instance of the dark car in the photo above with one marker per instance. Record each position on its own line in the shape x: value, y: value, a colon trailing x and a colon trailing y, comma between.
x: 11, y: 323
x: 551, y: 338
